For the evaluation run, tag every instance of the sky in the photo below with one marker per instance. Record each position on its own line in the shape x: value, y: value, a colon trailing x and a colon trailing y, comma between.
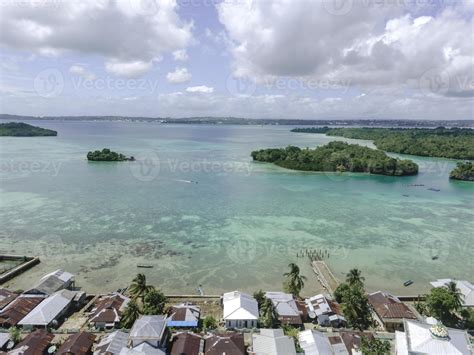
x: 321, y: 59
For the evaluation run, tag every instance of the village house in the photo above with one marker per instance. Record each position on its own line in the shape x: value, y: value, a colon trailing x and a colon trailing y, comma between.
x: 49, y: 312
x: 35, y: 343
x: 187, y: 343
x: 77, y: 344
x: 430, y: 337
x: 228, y: 344
x: 184, y: 315
x: 240, y: 310
x: 18, y: 309
x: 6, y: 297
x: 112, y: 343
x: 272, y: 342
x: 286, y: 308
x: 151, y: 330
x: 390, y: 311
x: 53, y: 282
x: 314, y: 342
x: 465, y: 287
x: 107, y: 311
x: 325, y: 311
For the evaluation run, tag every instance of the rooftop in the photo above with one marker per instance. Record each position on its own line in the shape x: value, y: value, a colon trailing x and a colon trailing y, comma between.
x: 34, y: 343
x: 18, y: 309
x: 285, y: 306
x: 420, y: 338
x: 388, y: 306
x: 112, y: 343
x: 184, y: 315
x: 108, y: 308
x: 239, y: 305
x: 273, y: 342
x: 148, y: 328
x: 186, y: 343
x: 6, y: 297
x: 52, y: 282
x: 47, y: 311
x: 77, y: 344
x: 228, y: 344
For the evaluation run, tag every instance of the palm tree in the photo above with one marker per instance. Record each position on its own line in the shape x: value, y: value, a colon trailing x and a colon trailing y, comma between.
x: 268, y: 313
x: 154, y: 302
x: 458, y: 297
x: 130, y: 315
x: 355, y: 277
x: 294, y: 281
x: 139, y: 288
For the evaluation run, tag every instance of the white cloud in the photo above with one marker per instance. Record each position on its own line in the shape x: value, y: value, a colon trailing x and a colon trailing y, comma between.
x: 180, y: 55
x: 129, y: 35
x: 372, y: 44
x: 132, y: 69
x: 200, y: 89
x: 81, y: 71
x: 179, y: 76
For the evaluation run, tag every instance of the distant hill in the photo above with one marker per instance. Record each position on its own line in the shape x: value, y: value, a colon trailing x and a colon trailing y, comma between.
x: 20, y: 129
x: 255, y: 121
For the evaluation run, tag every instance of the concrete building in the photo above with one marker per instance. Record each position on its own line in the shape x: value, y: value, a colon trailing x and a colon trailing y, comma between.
x: 240, y: 310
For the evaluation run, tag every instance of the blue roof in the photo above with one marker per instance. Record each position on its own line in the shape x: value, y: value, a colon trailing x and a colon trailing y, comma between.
x: 187, y: 324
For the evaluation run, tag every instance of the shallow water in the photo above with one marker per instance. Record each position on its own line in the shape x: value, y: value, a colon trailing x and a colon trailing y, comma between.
x: 196, y: 207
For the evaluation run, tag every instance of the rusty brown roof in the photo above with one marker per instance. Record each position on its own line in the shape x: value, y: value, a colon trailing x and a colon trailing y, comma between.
x: 229, y: 343
x: 352, y: 340
x: 6, y: 297
x: 387, y: 306
x: 18, y: 309
x: 77, y: 344
x: 107, y: 308
x: 36, y: 343
x: 186, y: 343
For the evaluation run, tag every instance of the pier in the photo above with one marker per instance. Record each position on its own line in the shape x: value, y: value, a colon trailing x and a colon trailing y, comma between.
x: 26, y: 263
x: 324, y: 275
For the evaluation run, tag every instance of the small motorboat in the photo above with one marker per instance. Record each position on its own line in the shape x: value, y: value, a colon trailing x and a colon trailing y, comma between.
x: 144, y: 266
x: 434, y: 257
x: 433, y: 189
x: 407, y: 283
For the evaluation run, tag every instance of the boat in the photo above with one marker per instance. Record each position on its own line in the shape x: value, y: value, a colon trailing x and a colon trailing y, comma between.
x: 433, y: 189
x: 144, y: 266
x: 434, y: 257
x: 407, y: 283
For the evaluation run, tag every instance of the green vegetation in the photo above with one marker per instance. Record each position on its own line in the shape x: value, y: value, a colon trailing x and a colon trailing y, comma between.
x: 354, y: 301
x: 268, y: 314
x: 463, y: 171
x: 209, y: 322
x: 139, y: 288
x: 374, y: 346
x: 454, y: 143
x: 442, y: 303
x: 154, y: 302
x: 15, y: 334
x: 107, y: 155
x: 20, y: 129
x: 294, y: 282
x: 130, y: 314
x: 337, y: 156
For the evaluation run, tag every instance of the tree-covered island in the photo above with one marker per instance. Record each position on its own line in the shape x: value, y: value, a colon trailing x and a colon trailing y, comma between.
x: 463, y: 171
x: 107, y: 155
x: 20, y: 129
x: 453, y: 143
x: 337, y: 156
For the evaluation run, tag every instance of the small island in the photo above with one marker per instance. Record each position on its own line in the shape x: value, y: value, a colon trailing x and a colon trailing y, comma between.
x: 107, y: 155
x: 339, y: 157
x: 20, y: 129
x: 463, y: 171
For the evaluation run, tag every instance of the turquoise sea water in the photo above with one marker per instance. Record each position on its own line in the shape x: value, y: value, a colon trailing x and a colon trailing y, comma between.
x: 236, y: 228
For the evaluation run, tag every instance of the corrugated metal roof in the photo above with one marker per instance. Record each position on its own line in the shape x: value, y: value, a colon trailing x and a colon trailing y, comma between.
x: 240, y: 306
x: 273, y: 342
x: 18, y: 309
x: 77, y: 344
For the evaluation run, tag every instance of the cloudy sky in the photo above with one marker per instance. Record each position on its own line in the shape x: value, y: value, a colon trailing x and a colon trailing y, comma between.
x: 410, y: 59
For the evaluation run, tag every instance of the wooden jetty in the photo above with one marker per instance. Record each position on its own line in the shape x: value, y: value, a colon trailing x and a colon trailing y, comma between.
x: 324, y: 275
x: 28, y: 263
